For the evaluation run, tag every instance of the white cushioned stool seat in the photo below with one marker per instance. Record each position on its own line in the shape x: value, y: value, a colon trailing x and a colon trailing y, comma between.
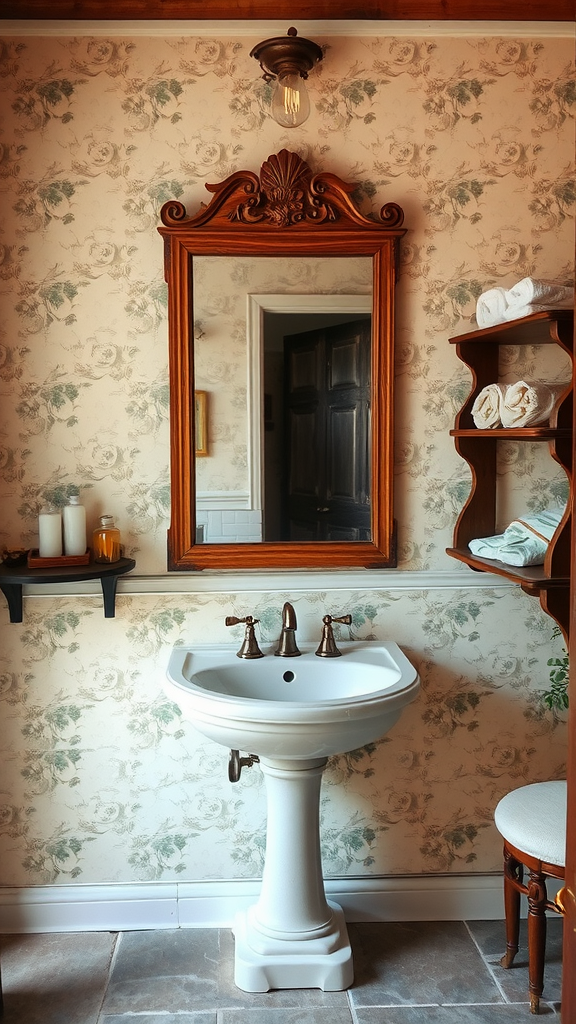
x: 532, y: 822
x: 533, y: 819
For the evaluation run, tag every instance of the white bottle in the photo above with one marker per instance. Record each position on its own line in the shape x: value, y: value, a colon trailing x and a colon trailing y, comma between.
x: 50, y: 532
x: 74, y: 520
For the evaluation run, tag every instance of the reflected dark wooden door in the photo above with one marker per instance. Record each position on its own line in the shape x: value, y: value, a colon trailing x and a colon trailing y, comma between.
x: 328, y: 430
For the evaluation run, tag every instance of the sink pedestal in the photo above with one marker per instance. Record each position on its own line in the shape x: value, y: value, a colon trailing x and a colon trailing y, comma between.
x: 292, y: 937
x: 293, y: 716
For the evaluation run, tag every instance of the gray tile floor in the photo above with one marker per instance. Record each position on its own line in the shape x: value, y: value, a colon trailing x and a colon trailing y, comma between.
x: 413, y: 973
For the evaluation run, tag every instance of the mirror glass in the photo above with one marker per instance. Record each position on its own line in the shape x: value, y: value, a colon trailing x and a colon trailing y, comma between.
x: 282, y: 432
x: 281, y: 339
x: 316, y: 484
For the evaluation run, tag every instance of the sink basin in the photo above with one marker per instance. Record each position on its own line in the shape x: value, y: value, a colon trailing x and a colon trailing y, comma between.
x: 292, y: 708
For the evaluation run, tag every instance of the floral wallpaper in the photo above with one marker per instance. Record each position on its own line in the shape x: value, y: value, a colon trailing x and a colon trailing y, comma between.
x: 105, y: 782
x: 474, y: 137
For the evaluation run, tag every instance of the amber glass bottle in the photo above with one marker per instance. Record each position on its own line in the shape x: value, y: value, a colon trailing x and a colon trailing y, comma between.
x: 106, y: 541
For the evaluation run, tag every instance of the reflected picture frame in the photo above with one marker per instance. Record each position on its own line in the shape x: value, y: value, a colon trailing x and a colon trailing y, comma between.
x: 201, y: 423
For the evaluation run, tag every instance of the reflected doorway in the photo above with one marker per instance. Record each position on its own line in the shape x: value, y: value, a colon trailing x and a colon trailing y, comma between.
x: 316, y: 426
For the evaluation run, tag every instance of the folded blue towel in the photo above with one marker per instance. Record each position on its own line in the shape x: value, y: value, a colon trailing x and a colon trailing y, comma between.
x: 524, y: 542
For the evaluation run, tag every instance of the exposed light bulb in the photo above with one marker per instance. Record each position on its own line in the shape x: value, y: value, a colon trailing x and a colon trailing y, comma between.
x: 290, y: 101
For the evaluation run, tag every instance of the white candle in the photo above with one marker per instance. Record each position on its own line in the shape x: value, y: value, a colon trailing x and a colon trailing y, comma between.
x: 50, y: 532
x: 74, y: 522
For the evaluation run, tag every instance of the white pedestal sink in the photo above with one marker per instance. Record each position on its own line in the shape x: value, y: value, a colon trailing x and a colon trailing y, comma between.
x: 293, y: 713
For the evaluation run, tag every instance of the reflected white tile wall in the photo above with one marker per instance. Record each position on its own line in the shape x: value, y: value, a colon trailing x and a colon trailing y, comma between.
x: 231, y: 526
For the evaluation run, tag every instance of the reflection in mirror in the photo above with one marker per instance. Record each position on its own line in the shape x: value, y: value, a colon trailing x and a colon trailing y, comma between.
x: 263, y: 243
x: 316, y: 431
x: 238, y: 345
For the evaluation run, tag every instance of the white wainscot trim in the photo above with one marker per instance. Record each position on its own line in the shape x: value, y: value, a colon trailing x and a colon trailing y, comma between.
x: 286, y: 581
x: 137, y: 906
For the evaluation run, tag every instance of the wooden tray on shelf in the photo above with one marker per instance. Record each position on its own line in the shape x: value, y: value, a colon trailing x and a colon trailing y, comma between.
x: 35, y: 562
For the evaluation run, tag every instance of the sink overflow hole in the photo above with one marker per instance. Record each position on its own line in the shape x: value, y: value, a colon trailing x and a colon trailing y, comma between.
x: 288, y: 677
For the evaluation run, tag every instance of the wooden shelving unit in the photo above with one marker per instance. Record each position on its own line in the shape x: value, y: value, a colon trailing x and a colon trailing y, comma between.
x: 549, y: 582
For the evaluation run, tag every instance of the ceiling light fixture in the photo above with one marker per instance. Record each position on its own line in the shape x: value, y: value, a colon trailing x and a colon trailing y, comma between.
x: 288, y: 59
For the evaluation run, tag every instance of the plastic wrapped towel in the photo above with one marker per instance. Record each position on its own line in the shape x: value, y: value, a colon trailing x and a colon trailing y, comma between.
x: 524, y: 542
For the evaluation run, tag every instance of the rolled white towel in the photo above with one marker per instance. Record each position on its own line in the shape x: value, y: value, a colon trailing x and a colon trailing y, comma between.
x: 491, y: 307
x: 546, y: 294
x: 486, y: 410
x: 527, y: 405
x: 524, y: 542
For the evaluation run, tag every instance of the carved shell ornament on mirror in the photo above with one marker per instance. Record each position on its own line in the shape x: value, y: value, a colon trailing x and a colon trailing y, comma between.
x: 286, y: 193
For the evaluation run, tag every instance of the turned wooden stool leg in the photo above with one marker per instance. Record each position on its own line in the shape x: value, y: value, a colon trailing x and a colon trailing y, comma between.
x: 513, y: 872
x: 537, y: 898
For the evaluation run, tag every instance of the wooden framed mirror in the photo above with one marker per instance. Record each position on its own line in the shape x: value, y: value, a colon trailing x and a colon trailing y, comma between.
x: 331, y: 403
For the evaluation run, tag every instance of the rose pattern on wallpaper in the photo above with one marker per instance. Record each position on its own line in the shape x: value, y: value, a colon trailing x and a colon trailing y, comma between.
x: 45, y: 200
x: 347, y: 100
x: 95, y: 56
x: 57, y: 631
x: 53, y: 300
x: 55, y: 858
x: 104, y: 780
x: 98, y: 153
x: 207, y: 56
x: 203, y: 161
x: 146, y: 101
x: 38, y: 101
x: 44, y: 403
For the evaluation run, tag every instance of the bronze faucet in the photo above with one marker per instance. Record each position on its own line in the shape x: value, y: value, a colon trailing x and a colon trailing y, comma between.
x: 249, y: 648
x: 287, y: 647
x: 327, y: 647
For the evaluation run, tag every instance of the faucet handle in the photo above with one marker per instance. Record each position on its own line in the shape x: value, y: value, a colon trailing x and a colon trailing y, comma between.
x: 249, y: 648
x: 327, y: 647
x: 346, y: 619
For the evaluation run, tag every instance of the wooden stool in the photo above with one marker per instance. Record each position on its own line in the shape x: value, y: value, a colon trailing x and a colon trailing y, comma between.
x: 532, y: 822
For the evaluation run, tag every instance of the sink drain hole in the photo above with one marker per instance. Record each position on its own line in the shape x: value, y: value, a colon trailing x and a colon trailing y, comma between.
x: 288, y: 676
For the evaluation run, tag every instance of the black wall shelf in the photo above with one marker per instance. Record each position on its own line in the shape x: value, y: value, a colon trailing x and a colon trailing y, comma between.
x: 13, y: 579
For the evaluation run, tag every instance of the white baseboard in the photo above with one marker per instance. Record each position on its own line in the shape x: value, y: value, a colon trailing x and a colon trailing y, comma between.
x: 118, y: 907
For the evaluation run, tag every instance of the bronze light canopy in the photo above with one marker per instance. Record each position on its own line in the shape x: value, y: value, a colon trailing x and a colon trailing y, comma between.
x: 288, y: 59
